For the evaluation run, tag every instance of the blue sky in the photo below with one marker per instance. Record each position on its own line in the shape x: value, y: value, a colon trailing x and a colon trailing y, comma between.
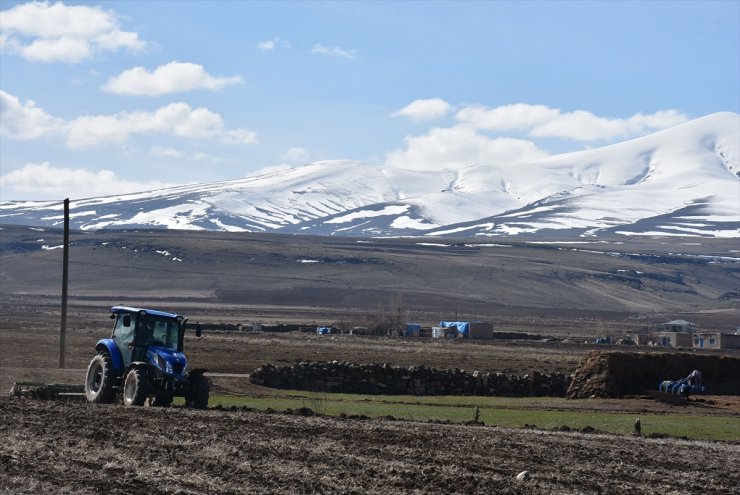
x: 101, y: 98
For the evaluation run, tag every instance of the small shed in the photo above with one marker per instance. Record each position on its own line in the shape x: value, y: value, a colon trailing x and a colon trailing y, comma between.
x: 412, y: 329
x: 444, y: 332
x: 480, y: 330
x: 470, y: 329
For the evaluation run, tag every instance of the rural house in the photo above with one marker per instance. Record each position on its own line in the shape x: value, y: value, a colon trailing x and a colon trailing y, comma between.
x: 716, y: 340
x: 673, y: 339
x: 678, y: 326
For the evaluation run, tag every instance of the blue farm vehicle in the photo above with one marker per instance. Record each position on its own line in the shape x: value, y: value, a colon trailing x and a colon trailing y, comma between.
x: 143, y: 362
x: 683, y: 387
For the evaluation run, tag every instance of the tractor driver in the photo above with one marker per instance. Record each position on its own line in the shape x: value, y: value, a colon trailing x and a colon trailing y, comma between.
x: 143, y: 337
x: 147, y: 332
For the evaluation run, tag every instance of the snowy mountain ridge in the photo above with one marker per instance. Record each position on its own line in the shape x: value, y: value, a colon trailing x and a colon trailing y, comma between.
x: 680, y: 181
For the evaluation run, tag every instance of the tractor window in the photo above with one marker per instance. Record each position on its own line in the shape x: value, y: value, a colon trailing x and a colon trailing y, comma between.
x: 160, y: 331
x: 123, y: 336
x: 122, y: 333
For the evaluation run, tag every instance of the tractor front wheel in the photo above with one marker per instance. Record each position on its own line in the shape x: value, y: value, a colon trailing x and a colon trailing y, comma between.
x: 200, y: 389
x: 136, y: 387
x: 162, y: 398
x: 100, y: 380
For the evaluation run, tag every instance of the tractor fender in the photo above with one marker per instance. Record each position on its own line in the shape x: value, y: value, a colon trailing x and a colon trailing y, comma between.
x: 109, y: 346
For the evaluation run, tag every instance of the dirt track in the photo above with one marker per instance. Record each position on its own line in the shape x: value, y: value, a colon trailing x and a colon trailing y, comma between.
x: 76, y: 448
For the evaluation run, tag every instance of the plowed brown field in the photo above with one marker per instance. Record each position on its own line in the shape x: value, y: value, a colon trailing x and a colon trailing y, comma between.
x: 85, y: 449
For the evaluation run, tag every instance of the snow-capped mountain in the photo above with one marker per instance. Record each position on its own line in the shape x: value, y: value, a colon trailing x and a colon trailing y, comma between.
x: 680, y: 181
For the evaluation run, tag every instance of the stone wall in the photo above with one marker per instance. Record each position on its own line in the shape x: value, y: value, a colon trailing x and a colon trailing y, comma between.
x: 346, y: 377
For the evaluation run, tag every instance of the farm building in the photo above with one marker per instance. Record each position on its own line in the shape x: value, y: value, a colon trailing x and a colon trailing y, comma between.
x: 678, y: 326
x: 643, y: 336
x: 444, y: 332
x: 716, y: 340
x: 412, y: 330
x: 465, y: 329
x: 673, y: 339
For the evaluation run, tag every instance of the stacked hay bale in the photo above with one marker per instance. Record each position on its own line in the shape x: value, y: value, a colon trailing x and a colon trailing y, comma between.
x: 616, y: 373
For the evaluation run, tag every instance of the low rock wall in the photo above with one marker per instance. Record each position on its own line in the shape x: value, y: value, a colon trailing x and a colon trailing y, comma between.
x: 413, y: 380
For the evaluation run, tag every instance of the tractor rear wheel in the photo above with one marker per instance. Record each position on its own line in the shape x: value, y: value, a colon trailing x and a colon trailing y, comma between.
x: 100, y: 379
x: 136, y: 387
x: 200, y: 389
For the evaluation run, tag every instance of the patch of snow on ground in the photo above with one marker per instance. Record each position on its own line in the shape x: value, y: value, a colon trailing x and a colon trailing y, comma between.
x: 515, y: 230
x: 728, y: 234
x: 388, y: 210
x: 51, y: 248
x: 87, y: 213
x: 486, y: 226
x: 351, y: 227
x: 405, y: 222
x: 527, y: 213
x: 227, y: 228
x: 488, y: 245
x: 309, y: 261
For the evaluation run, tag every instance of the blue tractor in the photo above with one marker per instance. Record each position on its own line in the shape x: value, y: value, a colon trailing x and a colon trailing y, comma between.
x: 143, y: 362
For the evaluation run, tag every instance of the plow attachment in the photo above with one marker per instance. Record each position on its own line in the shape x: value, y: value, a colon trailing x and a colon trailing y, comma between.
x: 49, y: 391
x: 668, y: 398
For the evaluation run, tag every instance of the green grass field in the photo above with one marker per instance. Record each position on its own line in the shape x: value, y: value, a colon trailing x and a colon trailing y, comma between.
x: 542, y: 412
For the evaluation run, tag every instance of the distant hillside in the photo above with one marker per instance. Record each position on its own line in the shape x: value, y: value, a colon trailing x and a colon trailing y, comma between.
x: 435, y: 279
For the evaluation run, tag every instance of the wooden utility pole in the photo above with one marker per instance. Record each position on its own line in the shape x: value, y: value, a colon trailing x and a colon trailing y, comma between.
x: 65, y: 280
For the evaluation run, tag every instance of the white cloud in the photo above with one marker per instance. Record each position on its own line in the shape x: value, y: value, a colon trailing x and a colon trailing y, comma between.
x: 457, y: 147
x: 239, y: 137
x: 27, y: 121
x: 175, y: 119
x: 24, y: 121
x: 333, y: 51
x: 167, y: 152
x: 519, y: 116
x: 424, y: 110
x: 59, y: 49
x: 269, y: 45
x: 585, y: 126
x: 174, y: 77
x: 44, y: 32
x: 295, y: 154
x: 43, y: 181
x: 542, y: 121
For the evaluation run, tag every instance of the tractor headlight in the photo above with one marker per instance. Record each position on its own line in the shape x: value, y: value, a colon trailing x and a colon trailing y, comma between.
x: 161, y: 362
x: 168, y: 368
